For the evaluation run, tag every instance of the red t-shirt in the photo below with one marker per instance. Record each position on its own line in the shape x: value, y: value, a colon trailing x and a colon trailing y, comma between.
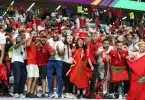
x: 120, y: 13
x: 97, y: 22
x: 31, y: 54
x: 37, y: 21
x: 82, y: 23
x: 118, y: 59
x: 99, y: 42
x: 43, y: 55
x: 116, y: 25
x: 75, y: 31
x: 93, y: 10
x: 92, y: 49
x: 114, y: 12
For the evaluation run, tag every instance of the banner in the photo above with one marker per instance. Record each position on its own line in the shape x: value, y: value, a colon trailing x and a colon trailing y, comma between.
x: 126, y: 4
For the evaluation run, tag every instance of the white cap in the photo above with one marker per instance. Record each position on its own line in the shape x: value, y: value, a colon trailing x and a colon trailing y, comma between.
x: 40, y: 28
x: 63, y: 27
x: 53, y: 14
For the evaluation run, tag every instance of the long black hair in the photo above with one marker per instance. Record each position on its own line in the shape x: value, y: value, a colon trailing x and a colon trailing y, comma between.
x: 84, y: 46
x: 67, y: 44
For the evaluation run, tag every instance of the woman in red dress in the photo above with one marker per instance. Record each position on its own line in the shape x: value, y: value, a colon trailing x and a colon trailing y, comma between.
x: 80, y: 74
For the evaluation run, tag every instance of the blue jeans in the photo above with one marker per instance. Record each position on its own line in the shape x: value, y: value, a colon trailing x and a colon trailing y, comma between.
x: 51, y: 67
x: 20, y: 76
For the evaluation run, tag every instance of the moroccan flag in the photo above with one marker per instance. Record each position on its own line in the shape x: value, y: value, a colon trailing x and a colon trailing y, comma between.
x: 137, y: 84
x: 80, y: 74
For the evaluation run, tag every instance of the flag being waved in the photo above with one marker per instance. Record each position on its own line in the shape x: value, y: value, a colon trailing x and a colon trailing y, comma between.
x: 137, y: 84
x: 80, y: 74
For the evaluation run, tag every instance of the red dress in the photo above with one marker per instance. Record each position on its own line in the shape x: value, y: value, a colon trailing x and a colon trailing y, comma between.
x: 137, y: 83
x: 80, y: 74
x: 118, y: 70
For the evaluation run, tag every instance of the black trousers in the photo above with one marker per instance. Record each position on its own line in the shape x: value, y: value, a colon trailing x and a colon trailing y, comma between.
x: 67, y: 84
x: 20, y: 76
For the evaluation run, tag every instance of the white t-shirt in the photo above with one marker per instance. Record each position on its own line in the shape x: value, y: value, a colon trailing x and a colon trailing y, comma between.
x: 54, y: 44
x: 18, y: 54
x: 2, y: 39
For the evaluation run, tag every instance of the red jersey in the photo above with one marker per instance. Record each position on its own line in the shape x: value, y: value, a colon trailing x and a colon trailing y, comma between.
x: 43, y: 55
x: 118, y: 70
x: 118, y: 59
x: 82, y: 23
x: 97, y: 22
x: 99, y: 42
x: 120, y: 13
x: 75, y: 31
x: 92, y: 49
x: 31, y: 54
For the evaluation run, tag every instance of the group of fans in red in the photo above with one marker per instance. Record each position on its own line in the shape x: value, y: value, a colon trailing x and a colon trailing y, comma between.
x: 72, y: 57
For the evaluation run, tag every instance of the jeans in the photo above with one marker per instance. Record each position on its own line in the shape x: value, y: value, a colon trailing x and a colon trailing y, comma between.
x: 51, y: 67
x: 20, y: 76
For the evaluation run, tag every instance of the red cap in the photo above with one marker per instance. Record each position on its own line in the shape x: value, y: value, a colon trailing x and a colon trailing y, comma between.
x: 28, y: 30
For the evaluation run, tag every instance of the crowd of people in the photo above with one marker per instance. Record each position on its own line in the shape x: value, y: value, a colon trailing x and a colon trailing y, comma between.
x: 74, y: 57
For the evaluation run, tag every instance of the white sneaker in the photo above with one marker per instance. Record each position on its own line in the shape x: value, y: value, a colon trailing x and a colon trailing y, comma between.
x: 52, y: 96
x: 125, y: 96
x: 120, y: 97
x: 57, y: 97
x: 68, y: 95
x: 22, y: 96
x: 16, y: 95
x: 72, y: 96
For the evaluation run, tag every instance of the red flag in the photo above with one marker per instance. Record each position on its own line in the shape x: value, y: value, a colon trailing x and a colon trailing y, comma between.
x: 80, y: 74
x: 137, y: 86
x: 3, y: 73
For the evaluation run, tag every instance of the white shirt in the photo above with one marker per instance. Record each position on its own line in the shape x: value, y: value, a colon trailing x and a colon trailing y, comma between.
x: 18, y: 54
x: 78, y: 22
x: 54, y: 44
x: 67, y: 58
x: 2, y: 39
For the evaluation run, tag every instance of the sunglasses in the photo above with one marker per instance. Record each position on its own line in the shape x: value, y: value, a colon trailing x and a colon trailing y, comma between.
x: 44, y: 37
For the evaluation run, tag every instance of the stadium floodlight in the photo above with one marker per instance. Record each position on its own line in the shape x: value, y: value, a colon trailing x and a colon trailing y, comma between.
x: 30, y: 7
x: 8, y: 7
x: 4, y: 13
x: 58, y: 7
x: 90, y: 20
x: 124, y: 18
x: 12, y: 3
